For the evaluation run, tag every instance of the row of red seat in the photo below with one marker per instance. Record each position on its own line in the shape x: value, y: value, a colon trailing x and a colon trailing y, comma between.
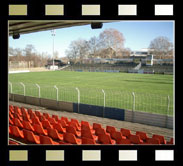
x: 11, y: 142
x: 33, y: 126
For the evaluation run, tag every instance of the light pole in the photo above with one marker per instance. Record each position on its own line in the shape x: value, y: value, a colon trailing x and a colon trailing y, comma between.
x: 53, y: 34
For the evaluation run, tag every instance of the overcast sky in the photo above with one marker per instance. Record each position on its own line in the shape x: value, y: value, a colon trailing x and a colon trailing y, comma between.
x: 138, y: 35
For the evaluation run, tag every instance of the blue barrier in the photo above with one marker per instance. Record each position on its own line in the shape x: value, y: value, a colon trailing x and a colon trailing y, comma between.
x: 114, y: 113
x: 88, y: 109
x: 112, y: 71
x: 79, y: 70
x: 100, y: 111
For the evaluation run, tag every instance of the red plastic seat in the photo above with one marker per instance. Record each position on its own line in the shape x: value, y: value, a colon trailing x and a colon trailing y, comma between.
x: 27, y: 126
x: 29, y: 111
x: 53, y: 133
x: 72, y: 130
x: 11, y: 115
x: 96, y: 125
x: 16, y: 132
x: 110, y: 129
x: 13, y: 143
x: 38, y: 113
x: 10, y: 132
x: 52, y: 120
x: 86, y: 127
x: 36, y: 120
x: 31, y: 137
x: 11, y: 122
x: 17, y: 110
x: 87, y: 141
x: 152, y: 141
x: 126, y: 132
x: 65, y: 119
x: 11, y: 110
x: 39, y: 129
x: 11, y: 107
x: 24, y: 111
x: 76, y: 121
x: 26, y: 117
x: 59, y: 128
x: 71, y: 138
x: 143, y: 135
x: 46, y: 115
x: 100, y: 131
x: 170, y: 142
x: 74, y: 124
x: 46, y: 124
x: 55, y: 117
x: 135, y: 139
x: 18, y: 116
x: 65, y: 143
x: 47, y: 140
x: 33, y: 115
x: 86, y: 124
x: 41, y: 118
x: 63, y: 123
x: 117, y: 135
x: 124, y: 141
x: 105, y: 139
x: 17, y: 122
x: 88, y: 134
x: 160, y: 137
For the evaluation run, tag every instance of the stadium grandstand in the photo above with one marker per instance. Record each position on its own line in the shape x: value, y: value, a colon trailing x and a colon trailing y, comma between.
x: 121, y: 66
x: 28, y: 126
x: 39, y: 121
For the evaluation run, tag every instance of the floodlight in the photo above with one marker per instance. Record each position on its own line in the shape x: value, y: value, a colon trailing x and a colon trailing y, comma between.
x: 16, y: 35
x: 96, y: 25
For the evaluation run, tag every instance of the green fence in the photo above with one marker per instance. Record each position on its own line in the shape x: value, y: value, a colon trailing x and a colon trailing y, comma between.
x: 145, y: 102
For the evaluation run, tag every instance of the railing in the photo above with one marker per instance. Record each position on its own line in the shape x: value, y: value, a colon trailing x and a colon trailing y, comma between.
x: 135, y: 101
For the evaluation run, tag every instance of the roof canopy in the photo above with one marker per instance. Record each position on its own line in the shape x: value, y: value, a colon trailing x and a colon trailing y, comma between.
x: 29, y: 26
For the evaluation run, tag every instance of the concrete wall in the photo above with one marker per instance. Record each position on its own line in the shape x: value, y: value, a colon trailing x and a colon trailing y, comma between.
x: 48, y: 103
x: 32, y: 100
x: 18, y: 98
x: 128, y: 116
x: 113, y: 113
x: 67, y: 106
x: 52, y: 104
x: 169, y: 122
x: 149, y: 119
x: 10, y: 96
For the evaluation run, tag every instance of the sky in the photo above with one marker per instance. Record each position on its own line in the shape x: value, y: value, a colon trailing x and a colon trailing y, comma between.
x: 137, y: 34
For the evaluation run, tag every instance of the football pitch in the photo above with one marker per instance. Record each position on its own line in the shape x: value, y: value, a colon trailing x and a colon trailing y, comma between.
x: 152, y: 92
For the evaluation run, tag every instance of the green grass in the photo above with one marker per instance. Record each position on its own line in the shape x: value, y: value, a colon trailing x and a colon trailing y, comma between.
x: 151, y: 91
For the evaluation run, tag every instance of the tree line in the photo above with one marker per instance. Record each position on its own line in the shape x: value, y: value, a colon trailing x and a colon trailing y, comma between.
x: 109, y: 44
x: 29, y: 54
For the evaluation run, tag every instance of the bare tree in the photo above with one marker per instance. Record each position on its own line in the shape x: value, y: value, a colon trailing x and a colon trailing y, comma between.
x: 78, y: 50
x: 29, y: 55
x: 161, y: 46
x: 109, y: 44
x: 72, y: 52
x: 112, y: 38
x: 93, y: 45
x: 124, y: 53
x: 29, y: 52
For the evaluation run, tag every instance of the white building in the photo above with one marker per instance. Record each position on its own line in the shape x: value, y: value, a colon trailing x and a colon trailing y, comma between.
x: 142, y: 52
